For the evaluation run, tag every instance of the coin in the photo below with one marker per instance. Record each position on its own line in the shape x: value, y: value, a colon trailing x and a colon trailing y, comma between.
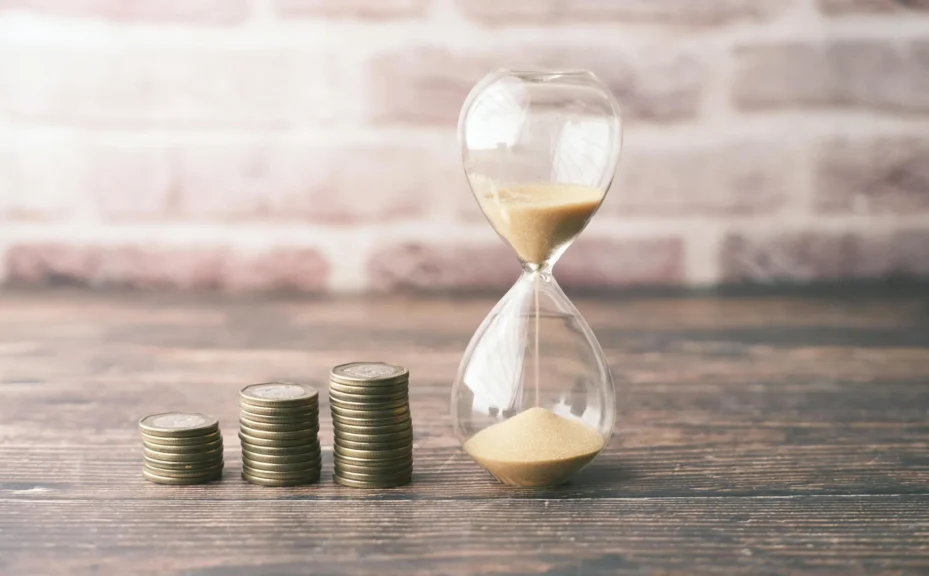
x: 373, y: 463
x: 276, y: 459
x: 302, y: 448
x: 305, y: 434
x: 281, y: 427
x: 375, y: 476
x: 178, y: 471
x: 275, y: 442
x: 405, y: 465
x: 160, y: 479
x: 370, y: 413
x: 178, y: 425
x: 367, y: 398
x: 300, y: 474
x: 402, y: 435
x: 280, y: 417
x: 182, y: 473
x: 188, y: 458
x: 293, y: 467
x: 369, y: 373
x: 366, y: 427
x: 370, y: 484
x: 276, y: 394
x: 183, y: 448
x: 279, y: 483
x: 370, y: 426
x: 366, y: 390
x: 343, y: 443
x: 400, y: 404
x: 199, y: 440
x: 372, y: 454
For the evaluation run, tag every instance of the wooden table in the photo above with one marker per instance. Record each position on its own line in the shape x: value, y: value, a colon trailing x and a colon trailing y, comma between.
x: 758, y: 434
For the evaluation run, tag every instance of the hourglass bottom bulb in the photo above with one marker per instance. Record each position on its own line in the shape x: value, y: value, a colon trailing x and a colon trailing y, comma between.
x: 535, y: 448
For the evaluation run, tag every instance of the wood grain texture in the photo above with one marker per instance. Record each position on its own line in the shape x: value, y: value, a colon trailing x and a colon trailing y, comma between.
x: 756, y: 434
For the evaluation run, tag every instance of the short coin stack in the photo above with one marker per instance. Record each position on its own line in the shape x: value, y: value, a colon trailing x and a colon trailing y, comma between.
x: 181, y: 448
x: 279, y: 426
x: 371, y: 419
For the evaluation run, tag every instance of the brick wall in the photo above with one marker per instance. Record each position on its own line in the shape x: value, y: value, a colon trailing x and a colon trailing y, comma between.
x: 310, y: 144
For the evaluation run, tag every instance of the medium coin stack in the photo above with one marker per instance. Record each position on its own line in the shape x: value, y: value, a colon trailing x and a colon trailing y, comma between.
x: 370, y: 408
x: 181, y: 448
x: 279, y: 427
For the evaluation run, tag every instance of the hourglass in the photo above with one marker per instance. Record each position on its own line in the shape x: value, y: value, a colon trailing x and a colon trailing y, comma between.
x: 534, y: 401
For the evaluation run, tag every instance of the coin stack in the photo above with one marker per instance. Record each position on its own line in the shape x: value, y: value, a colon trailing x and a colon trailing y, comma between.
x: 279, y: 426
x: 181, y: 448
x: 371, y: 419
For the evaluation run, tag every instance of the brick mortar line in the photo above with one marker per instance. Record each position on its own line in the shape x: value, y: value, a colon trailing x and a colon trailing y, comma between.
x: 271, y: 234
x: 809, y: 123
x: 4, y: 248
x: 447, y: 29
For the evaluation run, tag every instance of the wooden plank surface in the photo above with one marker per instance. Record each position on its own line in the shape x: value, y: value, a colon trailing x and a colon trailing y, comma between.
x: 755, y: 434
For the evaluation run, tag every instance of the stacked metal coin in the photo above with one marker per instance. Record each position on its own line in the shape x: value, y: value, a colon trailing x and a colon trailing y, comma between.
x: 181, y: 448
x: 279, y: 427
x: 373, y: 429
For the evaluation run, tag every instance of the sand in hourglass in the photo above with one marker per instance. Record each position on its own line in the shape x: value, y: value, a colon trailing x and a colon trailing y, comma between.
x: 535, y: 448
x: 538, y: 219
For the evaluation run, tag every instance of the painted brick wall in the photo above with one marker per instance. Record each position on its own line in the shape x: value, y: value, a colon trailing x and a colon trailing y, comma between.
x: 310, y: 144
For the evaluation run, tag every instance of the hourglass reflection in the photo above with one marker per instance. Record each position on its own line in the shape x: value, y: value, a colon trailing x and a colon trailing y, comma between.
x: 534, y: 400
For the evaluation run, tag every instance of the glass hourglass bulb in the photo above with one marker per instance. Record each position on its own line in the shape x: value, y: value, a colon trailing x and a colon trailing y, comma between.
x: 534, y: 401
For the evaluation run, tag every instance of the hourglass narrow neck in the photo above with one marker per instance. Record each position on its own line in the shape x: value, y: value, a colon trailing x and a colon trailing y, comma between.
x: 531, y: 268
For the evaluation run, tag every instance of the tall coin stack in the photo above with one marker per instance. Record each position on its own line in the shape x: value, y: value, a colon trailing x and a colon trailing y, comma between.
x: 279, y: 427
x: 181, y: 448
x: 370, y: 407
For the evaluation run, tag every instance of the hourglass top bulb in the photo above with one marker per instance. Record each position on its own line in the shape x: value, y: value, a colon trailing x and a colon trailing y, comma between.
x: 540, y: 150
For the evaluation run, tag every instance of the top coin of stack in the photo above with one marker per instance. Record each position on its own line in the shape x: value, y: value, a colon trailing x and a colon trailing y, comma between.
x: 279, y: 426
x: 181, y: 448
x: 371, y: 420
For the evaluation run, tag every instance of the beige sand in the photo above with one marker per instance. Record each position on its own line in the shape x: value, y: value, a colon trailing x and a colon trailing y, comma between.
x: 538, y: 219
x: 535, y: 448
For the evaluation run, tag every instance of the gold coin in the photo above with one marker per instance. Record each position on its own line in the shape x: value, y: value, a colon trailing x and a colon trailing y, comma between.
x: 159, y: 479
x: 373, y: 454
x: 189, y: 458
x: 279, y: 427
x: 276, y: 394
x: 178, y: 424
x: 371, y: 485
x: 279, y: 483
x: 305, y: 434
